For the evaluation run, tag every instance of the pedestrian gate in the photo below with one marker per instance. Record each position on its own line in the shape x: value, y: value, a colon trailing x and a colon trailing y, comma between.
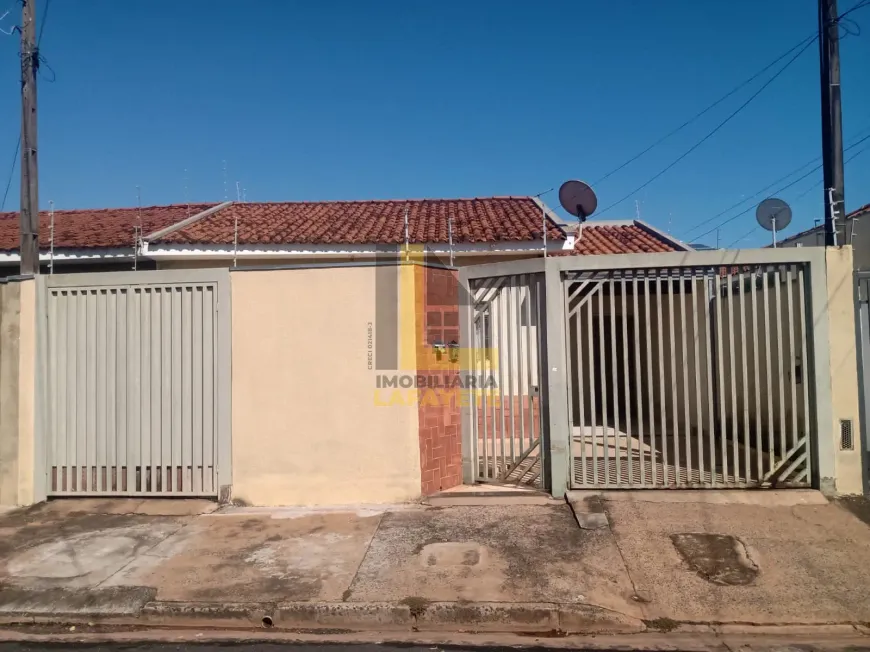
x: 134, y: 371
x: 505, y: 341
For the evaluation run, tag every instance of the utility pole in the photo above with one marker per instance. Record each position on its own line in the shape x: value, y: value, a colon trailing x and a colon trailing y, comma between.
x: 29, y: 214
x: 832, y: 118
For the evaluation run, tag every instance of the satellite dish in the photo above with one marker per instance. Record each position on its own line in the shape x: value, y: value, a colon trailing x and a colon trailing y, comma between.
x: 774, y: 215
x: 578, y: 199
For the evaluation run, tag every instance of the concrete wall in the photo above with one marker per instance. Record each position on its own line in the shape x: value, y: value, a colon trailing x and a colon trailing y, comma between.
x: 17, y: 392
x: 307, y: 428
x: 844, y: 370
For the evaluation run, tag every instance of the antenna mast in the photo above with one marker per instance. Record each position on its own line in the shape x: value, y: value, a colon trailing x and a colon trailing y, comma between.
x: 226, y: 196
x: 236, y: 225
x: 51, y: 237
x: 137, y: 229
x: 406, y: 233
x: 544, y: 227
x: 544, y: 217
x: 450, y: 238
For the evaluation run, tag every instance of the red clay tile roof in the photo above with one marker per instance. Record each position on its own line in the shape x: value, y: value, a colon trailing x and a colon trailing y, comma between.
x: 599, y: 239
x: 482, y: 220
x: 491, y: 219
x: 95, y: 228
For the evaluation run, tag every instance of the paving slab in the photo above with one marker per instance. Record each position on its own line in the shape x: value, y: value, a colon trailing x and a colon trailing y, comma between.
x: 517, y: 554
x: 46, y: 603
x: 78, y: 550
x: 745, y: 563
x: 256, y: 558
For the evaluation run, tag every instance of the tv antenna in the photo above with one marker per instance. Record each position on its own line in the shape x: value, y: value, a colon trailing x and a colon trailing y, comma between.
x: 773, y: 214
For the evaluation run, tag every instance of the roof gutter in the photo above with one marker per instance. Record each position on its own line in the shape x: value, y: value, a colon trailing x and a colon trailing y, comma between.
x: 187, y: 221
x: 158, y: 250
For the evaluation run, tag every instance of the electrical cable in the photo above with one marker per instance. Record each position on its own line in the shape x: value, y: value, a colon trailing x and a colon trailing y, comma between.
x: 703, y: 112
x: 752, y: 196
x: 11, y: 173
x: 770, y: 185
x: 803, y: 45
x: 855, y: 30
x: 714, y: 130
x: 803, y: 194
x: 785, y: 187
x: 42, y: 26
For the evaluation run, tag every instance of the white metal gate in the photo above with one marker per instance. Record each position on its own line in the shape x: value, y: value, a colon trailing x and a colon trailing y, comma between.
x: 135, y: 371
x: 689, y: 377
x: 505, y: 364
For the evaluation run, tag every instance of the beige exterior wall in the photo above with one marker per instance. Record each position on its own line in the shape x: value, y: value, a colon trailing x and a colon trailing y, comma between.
x: 306, y: 428
x: 844, y: 371
x: 27, y: 395
x: 10, y: 294
x: 17, y: 392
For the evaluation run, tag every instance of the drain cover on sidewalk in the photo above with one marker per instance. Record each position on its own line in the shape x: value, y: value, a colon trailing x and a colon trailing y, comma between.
x: 718, y: 558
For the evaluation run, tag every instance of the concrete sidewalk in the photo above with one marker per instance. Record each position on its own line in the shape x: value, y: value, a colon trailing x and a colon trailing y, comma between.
x: 640, y: 562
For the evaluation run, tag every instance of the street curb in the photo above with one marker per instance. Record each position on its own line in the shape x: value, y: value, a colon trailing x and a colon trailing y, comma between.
x: 343, y: 615
x: 200, y: 614
x: 413, y: 614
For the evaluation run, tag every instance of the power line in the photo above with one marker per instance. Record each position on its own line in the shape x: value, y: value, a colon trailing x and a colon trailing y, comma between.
x: 11, y: 172
x: 710, y: 134
x: 803, y: 45
x: 44, y: 19
x: 746, y: 199
x: 787, y: 186
x: 740, y: 86
x: 863, y: 3
x: 768, y: 186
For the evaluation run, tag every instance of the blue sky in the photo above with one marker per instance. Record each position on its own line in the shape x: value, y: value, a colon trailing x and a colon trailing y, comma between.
x: 354, y: 100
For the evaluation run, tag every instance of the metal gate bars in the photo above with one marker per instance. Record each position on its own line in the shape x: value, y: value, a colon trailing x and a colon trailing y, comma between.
x: 506, y: 415
x: 688, y: 376
x: 133, y: 375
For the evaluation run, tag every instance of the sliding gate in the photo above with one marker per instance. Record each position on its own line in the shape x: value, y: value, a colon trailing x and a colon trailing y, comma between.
x: 689, y: 376
x: 136, y: 387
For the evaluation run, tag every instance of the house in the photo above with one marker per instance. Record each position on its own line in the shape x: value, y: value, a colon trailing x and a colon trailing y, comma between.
x: 486, y: 229
x: 849, y: 231
x: 680, y: 369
